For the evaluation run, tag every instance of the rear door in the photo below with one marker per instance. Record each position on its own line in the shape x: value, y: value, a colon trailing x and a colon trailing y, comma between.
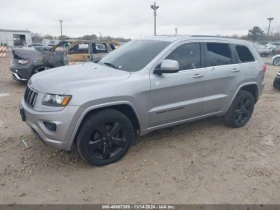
x: 223, y: 74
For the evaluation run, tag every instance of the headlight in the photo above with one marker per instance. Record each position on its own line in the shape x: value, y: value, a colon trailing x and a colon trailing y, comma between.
x: 23, y: 61
x: 56, y: 100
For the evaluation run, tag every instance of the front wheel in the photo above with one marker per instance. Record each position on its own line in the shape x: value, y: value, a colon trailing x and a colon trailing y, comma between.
x: 40, y: 69
x: 240, y: 111
x: 104, y: 137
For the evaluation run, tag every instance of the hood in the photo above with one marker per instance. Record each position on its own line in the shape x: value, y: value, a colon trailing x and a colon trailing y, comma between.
x: 62, y: 79
x: 26, y: 52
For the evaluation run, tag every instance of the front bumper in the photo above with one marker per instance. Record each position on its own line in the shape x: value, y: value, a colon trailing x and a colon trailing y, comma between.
x: 276, y: 83
x: 59, y: 139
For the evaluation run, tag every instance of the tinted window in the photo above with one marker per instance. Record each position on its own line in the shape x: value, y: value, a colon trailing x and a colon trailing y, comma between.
x: 244, y: 54
x: 134, y: 55
x: 187, y: 55
x: 99, y: 48
x: 218, y: 54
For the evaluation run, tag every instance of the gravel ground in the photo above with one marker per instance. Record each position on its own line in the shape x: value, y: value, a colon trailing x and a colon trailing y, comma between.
x: 198, y: 162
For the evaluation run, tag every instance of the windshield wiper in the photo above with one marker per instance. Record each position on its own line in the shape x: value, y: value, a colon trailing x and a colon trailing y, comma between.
x: 111, y: 65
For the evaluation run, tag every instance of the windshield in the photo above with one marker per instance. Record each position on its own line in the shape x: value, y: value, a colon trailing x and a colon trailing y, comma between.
x: 134, y: 55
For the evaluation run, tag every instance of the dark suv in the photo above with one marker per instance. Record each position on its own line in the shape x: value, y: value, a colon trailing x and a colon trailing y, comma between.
x: 28, y: 61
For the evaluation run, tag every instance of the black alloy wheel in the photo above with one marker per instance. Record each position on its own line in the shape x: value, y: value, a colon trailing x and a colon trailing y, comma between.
x: 243, y: 111
x: 104, y: 137
x: 107, y: 140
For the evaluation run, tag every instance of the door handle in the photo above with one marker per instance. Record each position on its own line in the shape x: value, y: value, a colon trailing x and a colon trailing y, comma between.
x: 197, y: 75
x: 235, y: 70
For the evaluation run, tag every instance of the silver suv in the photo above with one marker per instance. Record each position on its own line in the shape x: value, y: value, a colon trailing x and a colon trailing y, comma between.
x: 147, y: 84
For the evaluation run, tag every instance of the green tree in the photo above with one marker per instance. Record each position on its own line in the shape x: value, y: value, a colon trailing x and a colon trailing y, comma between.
x: 64, y: 37
x: 256, y: 33
x: 36, y: 37
x: 89, y: 37
x: 47, y: 36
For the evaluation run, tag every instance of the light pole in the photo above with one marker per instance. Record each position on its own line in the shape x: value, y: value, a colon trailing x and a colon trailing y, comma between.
x: 176, y: 30
x: 61, y: 29
x: 269, y: 19
x: 155, y: 7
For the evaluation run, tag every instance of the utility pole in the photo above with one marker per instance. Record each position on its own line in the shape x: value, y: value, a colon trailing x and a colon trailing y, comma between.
x: 61, y: 29
x: 100, y: 35
x: 155, y: 7
x: 176, y: 30
x: 269, y: 19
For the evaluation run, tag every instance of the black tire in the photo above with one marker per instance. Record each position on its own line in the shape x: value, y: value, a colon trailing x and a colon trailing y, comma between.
x: 98, y: 137
x: 276, y: 84
x: 40, y: 69
x: 240, y: 110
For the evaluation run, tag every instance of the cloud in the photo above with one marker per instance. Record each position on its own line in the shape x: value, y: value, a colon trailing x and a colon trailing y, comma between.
x: 129, y: 18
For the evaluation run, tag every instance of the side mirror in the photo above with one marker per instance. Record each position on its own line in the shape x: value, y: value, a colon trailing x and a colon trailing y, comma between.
x: 168, y: 67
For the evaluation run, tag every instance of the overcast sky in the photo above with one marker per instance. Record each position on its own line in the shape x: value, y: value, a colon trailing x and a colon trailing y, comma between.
x: 134, y: 18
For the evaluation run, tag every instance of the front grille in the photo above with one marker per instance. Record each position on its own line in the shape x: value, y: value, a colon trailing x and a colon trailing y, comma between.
x: 30, y: 96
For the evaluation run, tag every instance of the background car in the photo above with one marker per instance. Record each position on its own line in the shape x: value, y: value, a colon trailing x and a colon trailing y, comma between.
x: 36, y: 45
x: 53, y: 42
x: 276, y: 60
x: 30, y: 60
x: 262, y: 49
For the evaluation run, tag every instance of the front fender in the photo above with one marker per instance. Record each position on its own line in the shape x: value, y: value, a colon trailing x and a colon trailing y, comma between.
x: 84, y: 110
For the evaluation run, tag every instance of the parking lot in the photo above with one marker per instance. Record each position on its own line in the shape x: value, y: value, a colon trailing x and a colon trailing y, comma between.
x: 198, y: 162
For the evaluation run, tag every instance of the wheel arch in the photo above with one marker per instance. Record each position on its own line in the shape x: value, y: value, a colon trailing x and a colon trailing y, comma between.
x: 251, y: 87
x: 124, y: 107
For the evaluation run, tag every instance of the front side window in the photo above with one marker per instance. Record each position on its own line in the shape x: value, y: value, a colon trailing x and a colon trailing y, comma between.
x: 218, y: 54
x: 244, y: 54
x: 187, y: 55
x: 135, y: 55
x: 81, y: 48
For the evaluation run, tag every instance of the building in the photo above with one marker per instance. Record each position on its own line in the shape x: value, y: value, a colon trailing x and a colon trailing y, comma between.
x: 11, y: 38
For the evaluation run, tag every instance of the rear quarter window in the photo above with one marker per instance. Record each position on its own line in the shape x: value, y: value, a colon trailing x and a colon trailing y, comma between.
x: 244, y: 54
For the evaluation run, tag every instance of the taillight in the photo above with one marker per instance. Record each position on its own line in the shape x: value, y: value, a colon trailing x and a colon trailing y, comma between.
x: 264, y: 68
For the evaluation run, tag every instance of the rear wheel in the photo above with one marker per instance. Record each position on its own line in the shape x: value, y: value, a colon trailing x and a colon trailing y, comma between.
x: 240, y: 111
x: 276, y: 61
x: 105, y: 137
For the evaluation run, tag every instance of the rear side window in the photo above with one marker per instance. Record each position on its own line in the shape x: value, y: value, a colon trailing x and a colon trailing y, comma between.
x: 244, y: 54
x: 99, y: 48
x: 218, y: 54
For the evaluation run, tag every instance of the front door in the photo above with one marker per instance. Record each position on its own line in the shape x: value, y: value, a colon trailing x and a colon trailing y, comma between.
x: 178, y: 96
x: 78, y: 53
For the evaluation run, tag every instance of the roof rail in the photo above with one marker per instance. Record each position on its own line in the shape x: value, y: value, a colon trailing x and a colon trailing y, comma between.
x: 208, y: 36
